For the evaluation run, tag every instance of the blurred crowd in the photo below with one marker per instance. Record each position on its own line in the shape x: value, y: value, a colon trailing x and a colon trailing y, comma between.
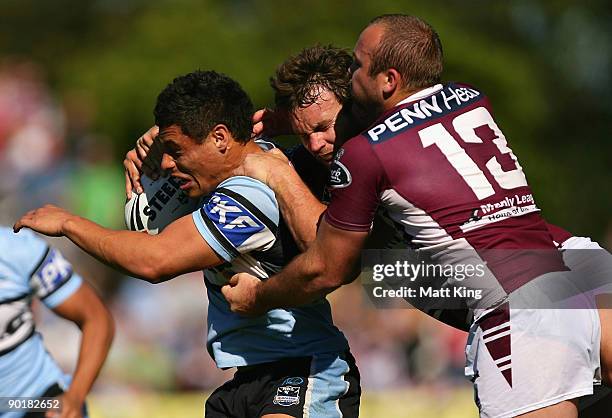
x: 49, y: 154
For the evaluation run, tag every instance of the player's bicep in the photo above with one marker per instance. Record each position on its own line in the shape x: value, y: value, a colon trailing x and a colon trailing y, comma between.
x: 183, y: 248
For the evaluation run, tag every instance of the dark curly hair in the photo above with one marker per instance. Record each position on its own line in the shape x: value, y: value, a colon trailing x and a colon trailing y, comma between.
x: 198, y: 101
x: 298, y: 80
x: 411, y: 46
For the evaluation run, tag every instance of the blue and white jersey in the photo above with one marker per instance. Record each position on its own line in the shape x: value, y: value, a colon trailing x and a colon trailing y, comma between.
x: 241, y: 221
x: 29, y: 269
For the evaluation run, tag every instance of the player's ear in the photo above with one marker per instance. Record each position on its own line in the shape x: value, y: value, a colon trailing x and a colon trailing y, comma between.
x: 221, y: 136
x: 392, y: 81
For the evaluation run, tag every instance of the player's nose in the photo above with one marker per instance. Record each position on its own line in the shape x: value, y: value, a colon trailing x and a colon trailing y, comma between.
x: 167, y: 162
x: 315, y: 143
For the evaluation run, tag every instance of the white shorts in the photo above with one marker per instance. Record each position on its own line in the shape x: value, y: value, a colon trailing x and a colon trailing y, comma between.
x: 521, y: 360
x: 591, y: 262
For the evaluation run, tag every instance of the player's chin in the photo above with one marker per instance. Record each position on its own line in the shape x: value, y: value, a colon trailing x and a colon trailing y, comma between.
x: 192, y: 191
x: 189, y: 187
x: 326, y: 158
x: 196, y: 190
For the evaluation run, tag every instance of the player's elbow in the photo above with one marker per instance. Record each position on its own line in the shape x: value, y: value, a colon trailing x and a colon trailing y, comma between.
x: 154, y: 274
x: 326, y: 278
x: 335, y: 275
x: 96, y: 319
x: 155, y: 268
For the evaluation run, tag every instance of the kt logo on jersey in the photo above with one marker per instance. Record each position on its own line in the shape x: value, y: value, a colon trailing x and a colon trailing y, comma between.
x: 232, y: 219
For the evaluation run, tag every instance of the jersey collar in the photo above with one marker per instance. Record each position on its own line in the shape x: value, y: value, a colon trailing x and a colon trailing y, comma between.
x: 421, y: 94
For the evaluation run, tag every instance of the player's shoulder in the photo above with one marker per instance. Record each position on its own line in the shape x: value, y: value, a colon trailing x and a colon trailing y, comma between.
x: 23, y: 249
x: 248, y: 187
x: 355, y: 148
x: 25, y: 237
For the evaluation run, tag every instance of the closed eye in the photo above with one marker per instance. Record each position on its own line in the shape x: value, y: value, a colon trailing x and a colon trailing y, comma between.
x: 324, y: 126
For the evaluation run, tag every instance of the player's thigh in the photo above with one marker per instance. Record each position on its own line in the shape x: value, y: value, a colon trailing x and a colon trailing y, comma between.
x: 604, y: 305
x: 528, y: 360
x: 565, y: 409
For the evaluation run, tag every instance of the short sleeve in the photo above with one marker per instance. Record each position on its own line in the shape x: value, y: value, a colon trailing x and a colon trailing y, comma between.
x: 240, y: 216
x: 53, y: 279
x: 356, y: 181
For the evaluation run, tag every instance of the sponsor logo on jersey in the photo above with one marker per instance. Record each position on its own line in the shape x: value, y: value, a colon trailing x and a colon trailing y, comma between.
x: 234, y: 221
x: 339, y: 176
x: 508, y: 207
x: 293, y: 381
x: 52, y: 273
x: 287, y: 396
x: 450, y: 98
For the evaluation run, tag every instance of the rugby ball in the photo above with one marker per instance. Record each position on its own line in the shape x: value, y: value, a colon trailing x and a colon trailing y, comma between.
x: 161, y: 203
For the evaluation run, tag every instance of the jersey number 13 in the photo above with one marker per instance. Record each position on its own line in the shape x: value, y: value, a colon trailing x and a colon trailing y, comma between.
x: 465, y: 126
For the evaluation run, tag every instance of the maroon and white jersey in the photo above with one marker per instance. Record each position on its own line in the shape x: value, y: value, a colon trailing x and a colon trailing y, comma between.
x: 441, y: 167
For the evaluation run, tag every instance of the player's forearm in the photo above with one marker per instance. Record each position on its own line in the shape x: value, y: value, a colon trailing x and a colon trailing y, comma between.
x: 97, y: 336
x: 128, y: 251
x: 301, y: 210
x: 330, y: 262
x: 303, y: 281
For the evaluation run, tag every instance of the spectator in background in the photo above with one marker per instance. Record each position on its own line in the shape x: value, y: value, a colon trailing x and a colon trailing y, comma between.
x: 31, y: 124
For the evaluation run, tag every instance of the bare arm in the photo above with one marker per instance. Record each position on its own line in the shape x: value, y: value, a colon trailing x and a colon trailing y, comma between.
x: 87, y: 311
x: 300, y: 208
x: 178, y: 249
x: 330, y: 262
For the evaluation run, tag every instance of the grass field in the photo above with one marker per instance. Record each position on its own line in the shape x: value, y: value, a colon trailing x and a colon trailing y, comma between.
x: 408, y: 403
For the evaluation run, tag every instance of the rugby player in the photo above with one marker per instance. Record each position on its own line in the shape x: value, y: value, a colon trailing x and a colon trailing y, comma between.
x: 430, y: 175
x: 31, y: 269
x: 312, y: 100
x: 291, y: 362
